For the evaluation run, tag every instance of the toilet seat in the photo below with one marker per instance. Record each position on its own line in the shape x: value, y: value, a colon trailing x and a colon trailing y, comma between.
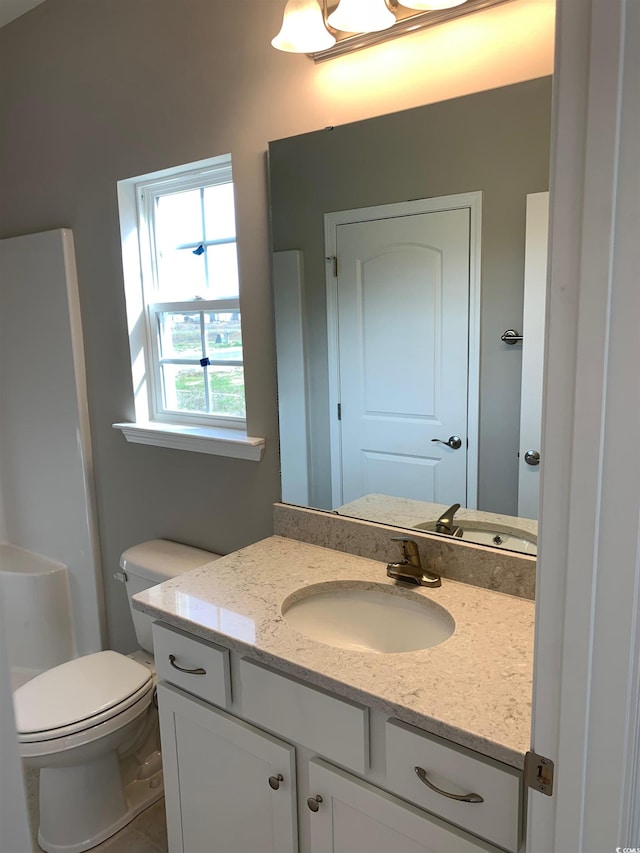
x: 81, y: 694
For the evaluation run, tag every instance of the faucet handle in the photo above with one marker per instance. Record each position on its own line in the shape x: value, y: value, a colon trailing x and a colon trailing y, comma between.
x: 410, y: 570
x: 409, y: 546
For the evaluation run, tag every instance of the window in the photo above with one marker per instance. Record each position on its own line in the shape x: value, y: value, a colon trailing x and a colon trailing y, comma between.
x: 188, y: 234
x: 183, y: 303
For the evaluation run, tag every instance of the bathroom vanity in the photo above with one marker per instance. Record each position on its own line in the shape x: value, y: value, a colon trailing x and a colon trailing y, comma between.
x: 273, y: 741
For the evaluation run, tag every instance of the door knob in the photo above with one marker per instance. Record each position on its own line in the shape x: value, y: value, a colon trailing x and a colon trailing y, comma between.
x: 454, y: 442
x: 274, y: 781
x: 532, y: 457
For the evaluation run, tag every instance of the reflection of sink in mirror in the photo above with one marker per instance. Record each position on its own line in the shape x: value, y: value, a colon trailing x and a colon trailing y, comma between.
x: 487, y: 534
x: 517, y: 534
x: 367, y: 617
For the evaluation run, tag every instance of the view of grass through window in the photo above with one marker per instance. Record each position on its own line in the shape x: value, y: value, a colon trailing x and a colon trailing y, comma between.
x: 213, y: 336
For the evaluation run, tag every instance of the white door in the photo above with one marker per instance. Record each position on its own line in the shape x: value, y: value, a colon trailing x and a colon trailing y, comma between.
x: 586, y: 709
x: 403, y: 319
x: 355, y: 817
x: 535, y: 293
x: 230, y: 788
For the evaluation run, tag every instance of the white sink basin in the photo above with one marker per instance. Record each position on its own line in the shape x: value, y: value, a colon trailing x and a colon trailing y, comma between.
x: 499, y: 538
x: 484, y: 533
x: 367, y: 617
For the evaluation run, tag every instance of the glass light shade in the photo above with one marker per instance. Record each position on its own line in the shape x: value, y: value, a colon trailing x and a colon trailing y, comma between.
x: 362, y: 16
x: 431, y: 5
x: 303, y: 29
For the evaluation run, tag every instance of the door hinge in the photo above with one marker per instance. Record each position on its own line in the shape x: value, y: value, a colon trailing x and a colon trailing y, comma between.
x: 339, y: 411
x: 334, y: 265
x: 538, y: 773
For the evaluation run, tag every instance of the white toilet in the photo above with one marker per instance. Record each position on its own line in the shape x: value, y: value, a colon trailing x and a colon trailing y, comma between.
x: 90, y: 724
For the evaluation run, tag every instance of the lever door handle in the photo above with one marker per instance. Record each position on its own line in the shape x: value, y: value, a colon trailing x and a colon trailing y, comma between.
x: 511, y: 337
x: 454, y: 442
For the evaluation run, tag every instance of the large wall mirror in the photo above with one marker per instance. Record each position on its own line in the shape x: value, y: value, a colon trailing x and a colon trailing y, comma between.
x: 401, y: 249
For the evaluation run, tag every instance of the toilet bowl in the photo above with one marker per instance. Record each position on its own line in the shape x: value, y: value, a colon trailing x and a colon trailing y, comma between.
x: 90, y: 724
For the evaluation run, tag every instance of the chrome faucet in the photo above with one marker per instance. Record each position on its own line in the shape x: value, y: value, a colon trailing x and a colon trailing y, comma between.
x: 445, y: 523
x: 409, y: 568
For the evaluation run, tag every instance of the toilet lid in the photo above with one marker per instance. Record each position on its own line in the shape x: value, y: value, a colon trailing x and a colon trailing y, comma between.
x: 77, y: 690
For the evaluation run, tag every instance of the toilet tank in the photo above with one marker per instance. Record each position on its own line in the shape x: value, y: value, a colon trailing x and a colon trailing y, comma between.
x: 151, y: 563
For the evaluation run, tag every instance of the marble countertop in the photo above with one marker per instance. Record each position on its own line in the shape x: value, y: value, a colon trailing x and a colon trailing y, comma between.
x: 474, y: 688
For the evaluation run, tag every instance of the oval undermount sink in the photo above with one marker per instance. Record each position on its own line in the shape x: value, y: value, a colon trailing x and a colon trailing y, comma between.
x: 368, y: 617
x: 485, y: 533
x: 499, y: 538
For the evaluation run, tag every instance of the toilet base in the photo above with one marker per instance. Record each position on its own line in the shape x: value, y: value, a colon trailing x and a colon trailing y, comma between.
x: 91, y: 805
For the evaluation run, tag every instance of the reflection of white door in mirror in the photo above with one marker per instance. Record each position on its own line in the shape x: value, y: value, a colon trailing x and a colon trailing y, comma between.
x: 535, y: 291
x: 401, y: 370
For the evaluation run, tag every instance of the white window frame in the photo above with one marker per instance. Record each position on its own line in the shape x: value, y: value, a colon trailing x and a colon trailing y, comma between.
x: 147, y: 193
x: 153, y: 423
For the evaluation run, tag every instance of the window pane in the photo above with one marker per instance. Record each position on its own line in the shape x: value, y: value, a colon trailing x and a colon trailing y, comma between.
x: 223, y: 335
x: 181, y: 274
x: 178, y: 219
x: 226, y: 388
x: 219, y: 212
x: 183, y: 388
x: 223, y: 271
x: 180, y: 335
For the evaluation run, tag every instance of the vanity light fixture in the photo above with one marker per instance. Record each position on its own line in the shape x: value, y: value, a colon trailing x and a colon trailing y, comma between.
x: 431, y: 5
x: 362, y: 16
x: 303, y: 28
x: 324, y: 29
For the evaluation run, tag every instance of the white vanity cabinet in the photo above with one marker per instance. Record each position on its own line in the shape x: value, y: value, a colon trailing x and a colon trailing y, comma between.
x: 357, y: 817
x: 229, y: 787
x: 230, y: 775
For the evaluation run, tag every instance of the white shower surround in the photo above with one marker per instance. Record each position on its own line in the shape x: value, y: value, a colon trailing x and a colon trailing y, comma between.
x: 37, y: 621
x: 46, y: 488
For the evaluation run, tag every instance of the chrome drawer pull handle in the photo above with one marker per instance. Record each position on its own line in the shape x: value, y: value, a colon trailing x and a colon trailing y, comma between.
x: 198, y: 671
x: 463, y: 798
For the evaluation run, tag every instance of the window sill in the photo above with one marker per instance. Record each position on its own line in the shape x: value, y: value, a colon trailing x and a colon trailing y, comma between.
x: 214, y: 440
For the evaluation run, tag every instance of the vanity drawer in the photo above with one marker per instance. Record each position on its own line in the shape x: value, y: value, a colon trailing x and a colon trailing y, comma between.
x: 458, y: 771
x: 337, y: 729
x: 194, y: 665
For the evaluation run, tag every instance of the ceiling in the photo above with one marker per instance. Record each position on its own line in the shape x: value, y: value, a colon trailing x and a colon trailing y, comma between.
x: 10, y: 9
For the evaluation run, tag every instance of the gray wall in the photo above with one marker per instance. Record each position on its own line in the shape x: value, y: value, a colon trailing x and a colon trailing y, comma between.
x: 497, y: 142
x: 94, y: 91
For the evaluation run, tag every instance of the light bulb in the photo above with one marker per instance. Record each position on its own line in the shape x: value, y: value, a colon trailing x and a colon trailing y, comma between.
x: 431, y: 5
x: 303, y: 29
x: 362, y: 16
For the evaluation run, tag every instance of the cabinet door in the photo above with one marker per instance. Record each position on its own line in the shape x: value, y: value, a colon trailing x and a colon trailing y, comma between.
x: 223, y: 791
x: 355, y: 817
